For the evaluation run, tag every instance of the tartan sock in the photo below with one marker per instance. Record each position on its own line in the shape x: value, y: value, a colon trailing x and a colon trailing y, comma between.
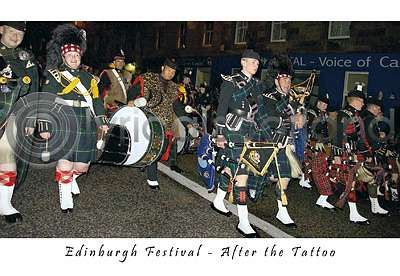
x: 240, y: 195
x: 8, y: 178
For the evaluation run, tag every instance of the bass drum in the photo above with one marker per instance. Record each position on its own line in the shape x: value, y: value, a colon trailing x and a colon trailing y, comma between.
x: 185, y: 142
x: 136, y: 138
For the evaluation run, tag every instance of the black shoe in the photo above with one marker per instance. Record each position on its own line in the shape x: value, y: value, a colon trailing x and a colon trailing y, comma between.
x: 228, y: 214
x: 251, y: 235
x: 154, y: 187
x: 289, y: 225
x: 382, y: 215
x: 68, y: 210
x: 367, y: 222
x: 13, y: 218
x: 333, y: 210
x: 176, y: 168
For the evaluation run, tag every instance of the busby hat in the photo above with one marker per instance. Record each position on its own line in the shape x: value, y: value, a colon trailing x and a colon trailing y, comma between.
x: 170, y: 62
x: 280, y: 66
x: 357, y: 92
x: 18, y: 25
x: 324, y: 98
x: 65, y: 38
x: 249, y: 53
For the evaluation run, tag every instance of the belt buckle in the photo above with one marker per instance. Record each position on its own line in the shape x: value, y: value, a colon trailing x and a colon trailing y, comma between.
x: 76, y: 103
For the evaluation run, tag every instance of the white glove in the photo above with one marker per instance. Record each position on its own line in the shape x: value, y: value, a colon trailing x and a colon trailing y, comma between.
x: 140, y: 102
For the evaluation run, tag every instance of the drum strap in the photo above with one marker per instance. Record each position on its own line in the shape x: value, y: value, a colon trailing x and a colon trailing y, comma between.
x: 117, y: 76
x: 82, y: 89
x: 169, y: 135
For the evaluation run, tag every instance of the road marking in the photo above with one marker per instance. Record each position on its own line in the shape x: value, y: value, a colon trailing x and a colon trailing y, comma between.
x: 268, y: 228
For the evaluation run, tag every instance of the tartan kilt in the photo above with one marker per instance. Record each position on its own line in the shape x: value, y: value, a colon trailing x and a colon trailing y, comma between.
x: 258, y: 184
x: 319, y: 171
x: 340, y: 173
x: 284, y: 165
x: 81, y: 146
x: 239, y: 136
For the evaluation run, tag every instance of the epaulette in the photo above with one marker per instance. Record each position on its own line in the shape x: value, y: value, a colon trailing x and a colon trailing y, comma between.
x: 236, y: 79
x: 347, y: 112
x: 270, y: 95
x: 56, y: 74
x: 227, y: 78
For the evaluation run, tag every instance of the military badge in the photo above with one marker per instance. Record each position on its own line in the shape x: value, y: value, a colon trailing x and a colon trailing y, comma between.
x: 24, y: 55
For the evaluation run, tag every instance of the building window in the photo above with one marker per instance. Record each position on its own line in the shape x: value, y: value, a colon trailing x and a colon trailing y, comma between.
x: 240, y: 33
x: 351, y: 79
x: 182, y: 35
x: 278, y: 31
x: 339, y: 29
x: 208, y: 33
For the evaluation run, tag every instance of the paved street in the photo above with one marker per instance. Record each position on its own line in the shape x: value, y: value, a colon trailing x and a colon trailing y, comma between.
x: 115, y: 202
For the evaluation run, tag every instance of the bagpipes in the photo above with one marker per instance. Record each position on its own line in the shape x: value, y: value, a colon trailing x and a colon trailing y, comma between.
x: 298, y: 94
x: 345, y: 173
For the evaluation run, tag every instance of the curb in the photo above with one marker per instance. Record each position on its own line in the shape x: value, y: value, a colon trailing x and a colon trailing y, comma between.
x: 268, y: 228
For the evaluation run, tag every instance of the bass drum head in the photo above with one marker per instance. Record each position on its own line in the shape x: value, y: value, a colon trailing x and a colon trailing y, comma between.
x: 135, y: 121
x: 182, y: 141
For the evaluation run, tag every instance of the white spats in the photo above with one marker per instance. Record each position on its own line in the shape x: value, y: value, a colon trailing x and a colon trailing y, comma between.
x: 75, y: 188
x: 322, y: 201
x: 376, y: 208
x: 6, y: 208
x: 65, y: 191
x: 354, y: 215
x: 219, y: 201
x: 304, y: 183
x: 152, y: 183
x: 244, y: 224
x: 283, y: 215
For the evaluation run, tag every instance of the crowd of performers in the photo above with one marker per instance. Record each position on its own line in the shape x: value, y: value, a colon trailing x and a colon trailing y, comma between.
x: 263, y: 131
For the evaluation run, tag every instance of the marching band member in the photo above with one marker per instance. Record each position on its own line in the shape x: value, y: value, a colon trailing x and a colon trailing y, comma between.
x: 77, y: 89
x: 376, y: 140
x: 235, y: 124
x: 113, y: 84
x: 281, y: 113
x: 18, y: 76
x: 317, y: 150
x: 348, y: 142
x: 158, y: 92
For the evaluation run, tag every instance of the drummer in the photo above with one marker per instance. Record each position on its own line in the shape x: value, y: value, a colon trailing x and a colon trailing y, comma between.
x: 113, y: 84
x: 77, y: 90
x: 158, y: 92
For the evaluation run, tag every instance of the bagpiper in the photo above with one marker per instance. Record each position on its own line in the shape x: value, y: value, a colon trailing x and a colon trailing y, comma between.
x: 236, y: 124
x: 18, y: 77
x: 318, y: 150
x: 282, y: 117
x: 349, y: 148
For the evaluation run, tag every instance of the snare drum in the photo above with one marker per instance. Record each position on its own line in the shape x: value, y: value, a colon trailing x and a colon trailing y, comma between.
x: 136, y: 138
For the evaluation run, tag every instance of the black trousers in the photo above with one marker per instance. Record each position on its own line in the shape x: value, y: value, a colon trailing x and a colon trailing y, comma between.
x: 152, y: 169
